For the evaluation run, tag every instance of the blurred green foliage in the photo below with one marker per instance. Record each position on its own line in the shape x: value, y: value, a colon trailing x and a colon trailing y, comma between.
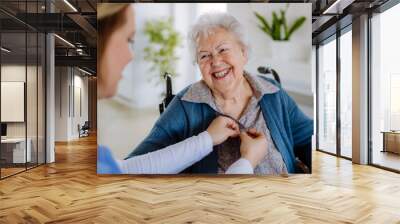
x: 279, y: 29
x: 163, y: 41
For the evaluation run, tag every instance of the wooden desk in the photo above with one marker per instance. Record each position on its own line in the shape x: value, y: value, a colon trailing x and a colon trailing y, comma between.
x: 391, y: 141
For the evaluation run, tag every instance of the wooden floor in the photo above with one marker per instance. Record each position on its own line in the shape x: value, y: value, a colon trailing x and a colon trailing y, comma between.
x: 70, y: 191
x: 5, y: 172
x: 10, y: 171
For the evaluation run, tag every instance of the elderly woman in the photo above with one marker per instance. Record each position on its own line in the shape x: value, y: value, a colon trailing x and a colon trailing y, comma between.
x: 226, y: 89
x: 116, y: 28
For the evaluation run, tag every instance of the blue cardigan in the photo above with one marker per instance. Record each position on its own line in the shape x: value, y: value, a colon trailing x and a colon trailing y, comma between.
x: 288, y: 125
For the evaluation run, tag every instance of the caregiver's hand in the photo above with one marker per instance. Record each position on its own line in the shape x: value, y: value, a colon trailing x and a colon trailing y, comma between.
x: 253, y: 146
x: 221, y: 128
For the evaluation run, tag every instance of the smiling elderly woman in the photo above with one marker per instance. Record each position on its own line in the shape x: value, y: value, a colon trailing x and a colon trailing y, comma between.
x: 221, y: 52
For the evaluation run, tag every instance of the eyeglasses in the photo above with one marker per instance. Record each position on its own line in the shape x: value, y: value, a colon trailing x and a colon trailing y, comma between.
x: 204, y: 56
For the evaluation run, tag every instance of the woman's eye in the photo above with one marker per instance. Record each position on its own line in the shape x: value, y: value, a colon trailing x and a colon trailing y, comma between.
x: 223, y: 50
x: 203, y: 56
x: 131, y: 40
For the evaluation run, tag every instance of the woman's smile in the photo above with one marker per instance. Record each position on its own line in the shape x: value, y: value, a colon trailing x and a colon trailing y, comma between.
x: 221, y: 73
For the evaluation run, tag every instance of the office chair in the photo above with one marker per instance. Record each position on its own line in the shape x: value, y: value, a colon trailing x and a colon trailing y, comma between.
x: 84, y: 130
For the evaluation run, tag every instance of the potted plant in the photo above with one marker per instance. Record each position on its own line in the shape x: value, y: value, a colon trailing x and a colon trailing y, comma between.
x: 279, y: 30
x: 163, y: 41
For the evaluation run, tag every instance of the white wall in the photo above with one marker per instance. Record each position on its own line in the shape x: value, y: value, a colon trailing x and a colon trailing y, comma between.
x: 61, y: 103
x: 68, y: 81
x: 184, y: 15
x: 79, y: 117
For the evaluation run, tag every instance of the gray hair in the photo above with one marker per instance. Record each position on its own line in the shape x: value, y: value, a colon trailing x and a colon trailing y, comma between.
x: 209, y: 21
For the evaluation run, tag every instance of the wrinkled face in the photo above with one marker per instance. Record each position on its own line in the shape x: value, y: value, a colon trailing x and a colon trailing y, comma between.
x: 117, y: 54
x: 221, y: 59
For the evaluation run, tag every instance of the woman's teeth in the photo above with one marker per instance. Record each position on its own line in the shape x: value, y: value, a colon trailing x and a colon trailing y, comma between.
x: 221, y: 74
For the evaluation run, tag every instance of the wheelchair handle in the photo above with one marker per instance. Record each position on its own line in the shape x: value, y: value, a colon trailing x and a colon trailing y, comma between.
x: 167, y: 76
x: 269, y: 70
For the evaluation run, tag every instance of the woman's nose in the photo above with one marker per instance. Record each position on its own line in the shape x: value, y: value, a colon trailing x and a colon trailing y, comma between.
x: 216, y: 60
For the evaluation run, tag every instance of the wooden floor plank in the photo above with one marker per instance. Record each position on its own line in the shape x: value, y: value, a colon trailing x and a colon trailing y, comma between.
x: 70, y: 191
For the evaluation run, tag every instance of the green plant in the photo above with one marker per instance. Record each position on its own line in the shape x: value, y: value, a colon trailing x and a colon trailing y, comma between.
x: 163, y: 40
x: 279, y: 29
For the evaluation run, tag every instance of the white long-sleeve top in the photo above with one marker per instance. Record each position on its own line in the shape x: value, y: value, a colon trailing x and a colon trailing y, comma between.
x: 177, y: 157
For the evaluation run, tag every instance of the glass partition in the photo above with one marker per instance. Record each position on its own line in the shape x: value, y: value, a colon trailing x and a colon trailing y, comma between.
x: 41, y: 86
x: 22, y: 77
x: 327, y: 96
x: 346, y: 94
x: 14, y: 153
x: 31, y: 99
x: 385, y: 89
